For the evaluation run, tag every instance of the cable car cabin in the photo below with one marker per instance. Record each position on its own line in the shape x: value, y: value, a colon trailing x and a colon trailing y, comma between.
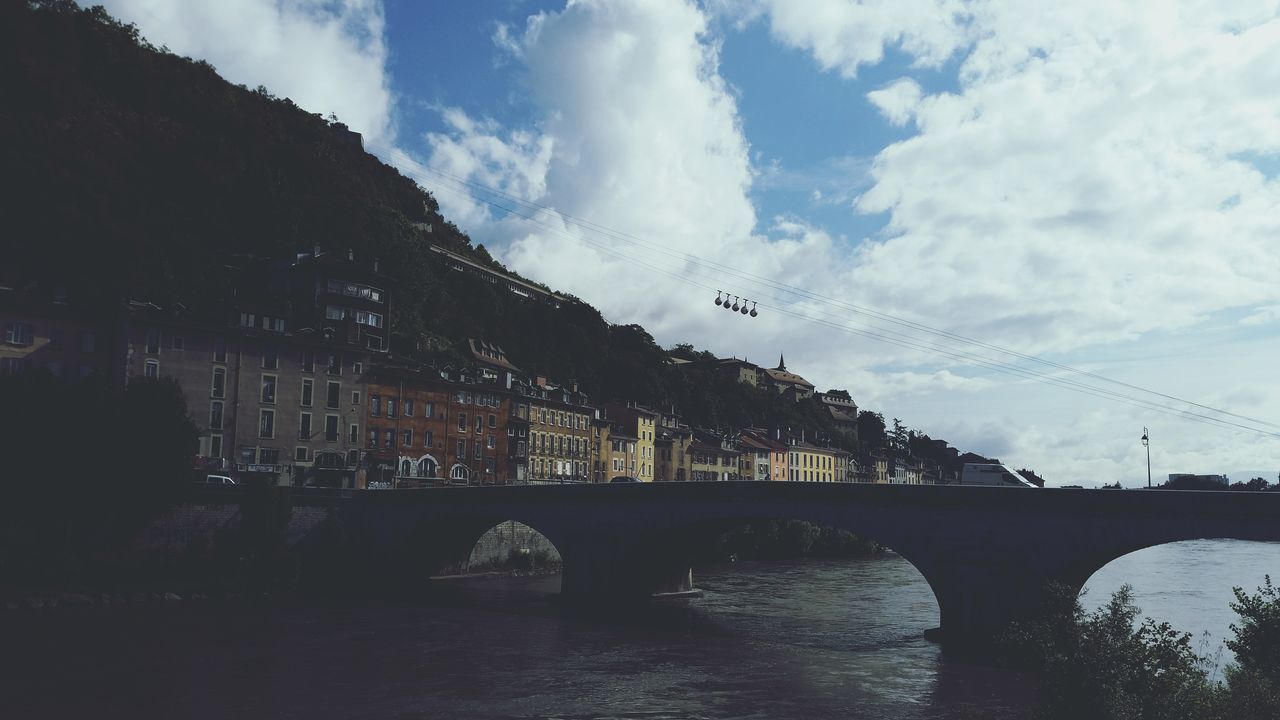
x: 991, y: 475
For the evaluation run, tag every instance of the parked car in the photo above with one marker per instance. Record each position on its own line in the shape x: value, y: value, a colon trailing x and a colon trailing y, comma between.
x: 218, y: 480
x: 624, y: 478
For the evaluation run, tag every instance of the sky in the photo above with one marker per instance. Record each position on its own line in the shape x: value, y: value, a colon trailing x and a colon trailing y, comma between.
x: 1031, y: 228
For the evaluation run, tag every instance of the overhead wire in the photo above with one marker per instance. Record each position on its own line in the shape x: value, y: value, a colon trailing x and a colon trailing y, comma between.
x: 529, y: 212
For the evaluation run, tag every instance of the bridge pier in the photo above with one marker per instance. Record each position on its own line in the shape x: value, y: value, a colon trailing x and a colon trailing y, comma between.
x: 978, y: 599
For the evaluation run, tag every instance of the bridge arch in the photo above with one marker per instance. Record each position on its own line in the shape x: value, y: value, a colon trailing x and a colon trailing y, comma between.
x: 1203, y: 569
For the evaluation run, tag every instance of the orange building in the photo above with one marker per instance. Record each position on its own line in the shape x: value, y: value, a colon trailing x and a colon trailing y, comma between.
x: 423, y: 428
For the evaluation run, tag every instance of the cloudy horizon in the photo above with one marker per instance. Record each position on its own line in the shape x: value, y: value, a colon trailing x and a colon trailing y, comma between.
x: 1094, y: 184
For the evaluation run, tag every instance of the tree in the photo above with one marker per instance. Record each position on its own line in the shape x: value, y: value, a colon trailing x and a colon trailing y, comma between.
x: 871, y: 430
x: 1253, y: 681
x: 1105, y: 666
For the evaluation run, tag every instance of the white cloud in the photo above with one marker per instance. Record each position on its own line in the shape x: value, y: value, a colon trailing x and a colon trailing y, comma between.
x: 327, y: 56
x: 647, y: 143
x: 844, y: 35
x: 898, y: 101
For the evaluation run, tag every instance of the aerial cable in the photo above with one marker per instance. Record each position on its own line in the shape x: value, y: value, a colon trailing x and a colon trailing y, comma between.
x: 533, y: 209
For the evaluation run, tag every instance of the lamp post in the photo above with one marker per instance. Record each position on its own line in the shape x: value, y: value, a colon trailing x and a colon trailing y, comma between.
x: 1146, y: 443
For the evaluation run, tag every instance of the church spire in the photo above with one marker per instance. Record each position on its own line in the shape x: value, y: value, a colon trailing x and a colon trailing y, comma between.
x: 782, y: 363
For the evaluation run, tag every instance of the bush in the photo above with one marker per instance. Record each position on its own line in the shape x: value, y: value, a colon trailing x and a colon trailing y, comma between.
x: 1105, y: 665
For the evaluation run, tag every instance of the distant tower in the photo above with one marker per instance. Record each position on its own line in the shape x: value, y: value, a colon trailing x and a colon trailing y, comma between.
x: 782, y: 363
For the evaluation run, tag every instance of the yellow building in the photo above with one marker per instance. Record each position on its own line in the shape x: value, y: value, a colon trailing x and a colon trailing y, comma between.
x: 643, y: 423
x: 810, y: 463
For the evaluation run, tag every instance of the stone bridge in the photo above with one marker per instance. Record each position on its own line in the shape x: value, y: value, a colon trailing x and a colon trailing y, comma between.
x: 987, y: 552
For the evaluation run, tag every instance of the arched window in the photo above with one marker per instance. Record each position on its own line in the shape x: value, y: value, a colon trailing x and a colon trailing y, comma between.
x: 406, y: 468
x: 427, y: 467
x: 459, y: 472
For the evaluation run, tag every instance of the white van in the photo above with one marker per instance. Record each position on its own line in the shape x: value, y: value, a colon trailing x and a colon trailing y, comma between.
x: 219, y: 480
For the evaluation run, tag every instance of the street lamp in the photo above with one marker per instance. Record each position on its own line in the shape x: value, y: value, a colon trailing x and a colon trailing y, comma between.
x: 1146, y: 443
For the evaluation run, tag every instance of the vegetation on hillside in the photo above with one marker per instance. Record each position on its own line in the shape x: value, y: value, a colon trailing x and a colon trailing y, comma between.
x: 142, y: 174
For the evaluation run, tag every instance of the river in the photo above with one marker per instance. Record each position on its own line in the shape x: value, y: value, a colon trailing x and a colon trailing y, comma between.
x: 813, y: 639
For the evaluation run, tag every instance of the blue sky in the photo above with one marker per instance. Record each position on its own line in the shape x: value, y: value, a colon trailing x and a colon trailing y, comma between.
x: 1091, y: 183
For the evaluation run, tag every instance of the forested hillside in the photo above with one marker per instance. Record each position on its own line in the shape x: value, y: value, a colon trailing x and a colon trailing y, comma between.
x: 135, y: 173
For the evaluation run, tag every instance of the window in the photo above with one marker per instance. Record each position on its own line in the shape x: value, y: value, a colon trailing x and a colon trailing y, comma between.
x: 153, y: 342
x: 307, y: 388
x: 17, y: 333
x: 542, y: 415
x: 56, y: 338
x: 479, y: 423
x: 406, y: 438
x: 391, y: 407
x: 248, y: 455
x: 215, y: 415
x: 462, y: 448
x: 428, y: 439
x: 490, y: 442
x: 269, y: 456
x: 489, y: 466
x: 462, y: 422
x: 331, y: 429
x: 151, y: 369
x: 428, y: 409
x: 270, y: 357
x: 219, y: 387
x: 493, y: 420
x: 354, y: 433
x: 367, y: 292
x: 304, y: 426
x: 375, y: 405
x: 219, y: 349
x: 88, y: 342
x: 408, y: 408
x: 357, y: 367
x: 332, y: 395
x: 177, y: 342
x: 389, y: 438
x: 300, y: 454
x: 459, y: 472
x: 335, y: 364
x: 355, y: 397
x: 215, y: 446
x: 269, y: 389
x: 308, y: 361
x: 373, y: 437
x: 247, y: 319
x: 266, y: 423
x: 426, y: 468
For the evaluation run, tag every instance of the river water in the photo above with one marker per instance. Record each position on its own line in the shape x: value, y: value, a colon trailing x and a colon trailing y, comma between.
x: 815, y: 639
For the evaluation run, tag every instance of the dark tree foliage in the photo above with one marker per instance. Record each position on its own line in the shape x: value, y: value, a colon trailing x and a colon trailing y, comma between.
x: 784, y: 539
x: 89, y: 468
x: 871, y: 428
x: 1253, y: 682
x: 1107, y: 665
